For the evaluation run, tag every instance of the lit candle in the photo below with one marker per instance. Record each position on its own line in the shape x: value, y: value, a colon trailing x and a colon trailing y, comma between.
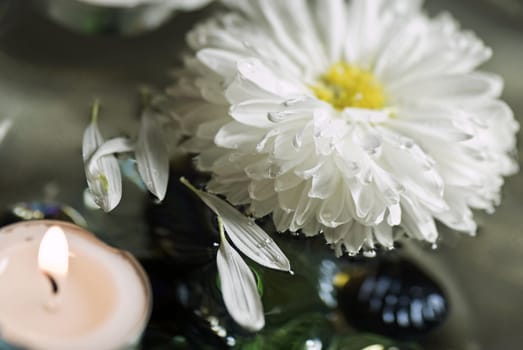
x: 62, y: 288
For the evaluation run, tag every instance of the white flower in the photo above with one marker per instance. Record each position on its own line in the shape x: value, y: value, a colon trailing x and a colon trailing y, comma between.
x: 351, y: 119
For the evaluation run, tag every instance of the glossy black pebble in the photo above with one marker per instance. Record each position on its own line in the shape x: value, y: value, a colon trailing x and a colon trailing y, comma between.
x: 182, y: 226
x: 394, y: 298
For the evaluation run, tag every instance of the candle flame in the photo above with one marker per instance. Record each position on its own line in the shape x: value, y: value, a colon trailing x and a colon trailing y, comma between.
x: 53, y: 255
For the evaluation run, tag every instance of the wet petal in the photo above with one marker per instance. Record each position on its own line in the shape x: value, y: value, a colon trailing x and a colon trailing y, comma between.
x: 246, y: 235
x: 152, y: 156
x: 239, y: 289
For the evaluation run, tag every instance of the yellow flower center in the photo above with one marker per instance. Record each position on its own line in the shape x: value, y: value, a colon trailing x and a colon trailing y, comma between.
x: 345, y: 85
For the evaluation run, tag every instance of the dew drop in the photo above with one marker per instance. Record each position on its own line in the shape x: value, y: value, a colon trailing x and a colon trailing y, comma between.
x: 390, y: 195
x: 353, y: 166
x: 296, y: 141
x: 406, y: 143
x: 291, y: 272
x: 276, y: 117
x: 400, y: 189
x: 369, y: 253
x: 480, y: 156
x: 434, y: 246
x: 313, y: 344
x: 231, y: 341
x: 295, y: 100
x: 247, y: 44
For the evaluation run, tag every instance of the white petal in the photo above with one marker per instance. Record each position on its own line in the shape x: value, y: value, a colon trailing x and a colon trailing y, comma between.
x: 235, y: 135
x: 220, y: 61
x: 239, y: 289
x: 92, y: 139
x: 101, y: 167
x: 246, y: 235
x: 460, y: 89
x: 334, y: 28
x: 110, y: 147
x: 383, y: 234
x: 152, y: 156
x: 258, y: 73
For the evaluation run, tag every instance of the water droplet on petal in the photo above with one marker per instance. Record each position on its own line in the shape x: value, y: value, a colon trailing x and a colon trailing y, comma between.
x: 353, y: 166
x: 406, y: 143
x: 275, y: 117
x: 390, y: 195
x: 247, y: 44
x: 367, y: 179
x: 434, y: 246
x: 369, y: 253
x: 400, y: 189
x: 295, y: 100
x: 296, y: 141
x: 291, y: 272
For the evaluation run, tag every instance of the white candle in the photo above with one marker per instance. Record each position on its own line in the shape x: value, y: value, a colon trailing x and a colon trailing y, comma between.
x: 102, y: 298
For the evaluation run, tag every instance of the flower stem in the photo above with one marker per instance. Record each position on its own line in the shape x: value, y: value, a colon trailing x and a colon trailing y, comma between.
x: 95, y: 110
x: 187, y: 184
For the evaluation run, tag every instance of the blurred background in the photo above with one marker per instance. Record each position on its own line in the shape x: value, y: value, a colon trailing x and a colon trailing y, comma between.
x: 51, y: 70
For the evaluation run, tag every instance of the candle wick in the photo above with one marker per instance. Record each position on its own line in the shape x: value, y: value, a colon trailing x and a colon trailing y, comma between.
x: 54, y: 284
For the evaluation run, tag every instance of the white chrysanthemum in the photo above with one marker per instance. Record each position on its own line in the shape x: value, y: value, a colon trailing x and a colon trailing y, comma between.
x: 349, y: 119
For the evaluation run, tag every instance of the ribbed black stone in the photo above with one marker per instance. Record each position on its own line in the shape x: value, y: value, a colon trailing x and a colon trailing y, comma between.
x: 393, y: 298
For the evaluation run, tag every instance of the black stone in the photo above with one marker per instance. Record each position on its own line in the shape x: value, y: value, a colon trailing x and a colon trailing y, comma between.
x: 182, y: 226
x: 393, y: 298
